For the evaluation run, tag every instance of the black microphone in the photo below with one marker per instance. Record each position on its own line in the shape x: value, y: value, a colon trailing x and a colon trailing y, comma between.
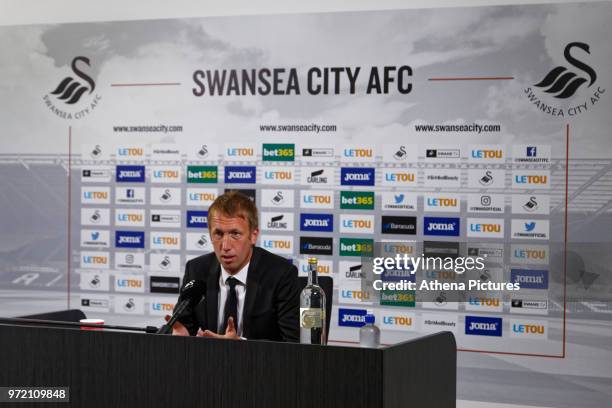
x: 191, y: 293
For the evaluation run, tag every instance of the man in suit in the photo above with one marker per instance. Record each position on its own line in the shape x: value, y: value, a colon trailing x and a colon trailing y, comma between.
x: 250, y: 292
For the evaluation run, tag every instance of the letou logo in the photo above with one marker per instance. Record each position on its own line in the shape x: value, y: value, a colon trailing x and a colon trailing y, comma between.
x: 396, y: 320
x: 565, y: 81
x: 278, y: 152
x: 442, y: 203
x: 529, y: 329
x: 67, y: 100
x: 360, y: 154
x: 278, y: 244
x: 202, y: 174
x: 278, y: 175
x: 316, y: 199
x: 357, y: 200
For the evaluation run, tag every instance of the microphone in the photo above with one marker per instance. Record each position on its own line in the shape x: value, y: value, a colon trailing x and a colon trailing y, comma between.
x: 191, y: 293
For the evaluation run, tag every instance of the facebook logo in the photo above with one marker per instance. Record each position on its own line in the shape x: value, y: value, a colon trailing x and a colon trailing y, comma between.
x: 532, y: 151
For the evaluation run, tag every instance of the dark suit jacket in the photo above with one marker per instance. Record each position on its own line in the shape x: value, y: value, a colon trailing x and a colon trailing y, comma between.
x: 271, y: 305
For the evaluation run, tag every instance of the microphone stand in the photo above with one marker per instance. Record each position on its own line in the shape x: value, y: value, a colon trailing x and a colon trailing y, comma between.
x: 40, y: 322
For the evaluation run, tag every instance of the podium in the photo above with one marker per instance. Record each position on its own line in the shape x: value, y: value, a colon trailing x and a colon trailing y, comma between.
x: 118, y: 369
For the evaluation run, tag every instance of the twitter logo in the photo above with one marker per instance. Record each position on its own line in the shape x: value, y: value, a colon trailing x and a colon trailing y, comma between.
x: 399, y: 198
x: 529, y: 226
x: 95, y: 235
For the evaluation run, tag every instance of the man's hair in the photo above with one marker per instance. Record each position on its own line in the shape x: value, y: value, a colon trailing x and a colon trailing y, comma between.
x: 235, y: 204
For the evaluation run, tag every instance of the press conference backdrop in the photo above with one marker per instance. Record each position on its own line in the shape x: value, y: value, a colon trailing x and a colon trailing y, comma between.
x: 472, y: 131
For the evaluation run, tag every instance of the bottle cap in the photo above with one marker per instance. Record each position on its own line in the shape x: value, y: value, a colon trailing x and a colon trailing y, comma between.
x: 312, y: 260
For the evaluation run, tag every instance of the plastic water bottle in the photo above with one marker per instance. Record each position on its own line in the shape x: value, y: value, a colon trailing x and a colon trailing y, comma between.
x: 369, y: 334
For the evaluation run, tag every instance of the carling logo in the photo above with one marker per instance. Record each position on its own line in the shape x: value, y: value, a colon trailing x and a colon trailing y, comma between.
x: 357, y: 176
x: 483, y: 326
x: 441, y: 226
x: 317, y: 175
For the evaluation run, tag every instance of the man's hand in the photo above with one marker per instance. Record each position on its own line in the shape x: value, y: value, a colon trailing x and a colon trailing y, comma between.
x: 230, y: 332
x: 178, y: 329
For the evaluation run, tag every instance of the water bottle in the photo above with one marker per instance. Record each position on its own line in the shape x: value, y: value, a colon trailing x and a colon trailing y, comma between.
x: 369, y: 334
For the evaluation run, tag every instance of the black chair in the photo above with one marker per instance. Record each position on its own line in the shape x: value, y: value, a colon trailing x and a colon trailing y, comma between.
x: 72, y: 315
x: 327, y: 284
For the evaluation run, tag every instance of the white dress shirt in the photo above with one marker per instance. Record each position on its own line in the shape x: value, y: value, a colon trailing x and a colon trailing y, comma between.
x: 224, y: 288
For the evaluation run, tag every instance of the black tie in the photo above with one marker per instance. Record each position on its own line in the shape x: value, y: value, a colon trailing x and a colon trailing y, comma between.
x: 231, y: 304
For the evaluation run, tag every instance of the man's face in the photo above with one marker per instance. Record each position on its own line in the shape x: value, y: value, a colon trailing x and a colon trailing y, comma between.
x: 232, y: 241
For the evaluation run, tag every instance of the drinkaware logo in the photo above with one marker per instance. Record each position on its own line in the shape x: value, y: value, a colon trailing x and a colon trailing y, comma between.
x: 358, y: 154
x: 240, y: 153
x: 95, y: 195
x: 442, y: 203
x: 278, y: 244
x: 486, y: 203
x: 356, y: 247
x: 529, y: 306
x: 563, y: 83
x: 485, y: 228
x: 130, y: 174
x: 278, y: 175
x: 129, y: 195
x: 316, y: 222
x: 399, y: 177
x: 399, y: 201
x: 316, y: 199
x: 442, y: 154
x: 273, y: 221
x: 354, y: 223
x: 164, y: 284
x: 530, y: 229
x: 166, y: 218
x: 129, y: 218
x: 202, y: 174
x: 165, y: 196
x: 357, y: 200
x: 278, y: 152
x: 316, y: 246
x: 351, y: 317
x: 441, y: 226
x: 277, y: 198
x: 528, y: 329
x: 318, y: 153
x: 166, y: 174
x: 95, y: 175
x: 197, y: 219
x: 357, y: 176
x: 240, y: 174
x: 483, y: 326
x: 201, y: 197
x: 530, y: 278
x: 166, y: 240
x: 129, y: 239
x: 64, y: 100
x: 317, y: 175
x: 398, y: 225
x: 95, y: 238
x: 95, y: 260
x: 129, y: 283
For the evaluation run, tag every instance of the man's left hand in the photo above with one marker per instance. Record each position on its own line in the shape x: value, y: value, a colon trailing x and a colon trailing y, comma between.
x: 230, y: 332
